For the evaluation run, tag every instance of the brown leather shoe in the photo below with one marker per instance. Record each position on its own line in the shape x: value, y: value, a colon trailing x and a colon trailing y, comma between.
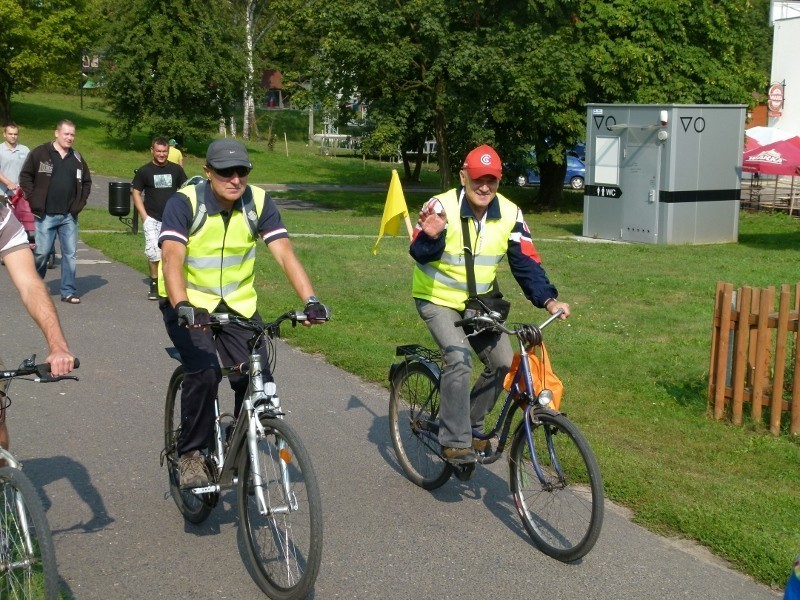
x: 459, y: 456
x: 482, y: 448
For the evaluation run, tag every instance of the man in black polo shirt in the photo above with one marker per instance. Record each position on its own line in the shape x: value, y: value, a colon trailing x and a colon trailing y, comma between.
x: 56, y: 182
x: 153, y: 184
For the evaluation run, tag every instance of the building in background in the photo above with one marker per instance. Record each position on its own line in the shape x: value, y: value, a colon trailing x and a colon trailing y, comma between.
x: 783, y: 96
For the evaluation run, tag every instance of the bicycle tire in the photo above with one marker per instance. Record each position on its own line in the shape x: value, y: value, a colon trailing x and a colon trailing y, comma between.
x: 413, y: 407
x: 194, y: 508
x: 25, y: 572
x: 563, y: 515
x: 284, y: 548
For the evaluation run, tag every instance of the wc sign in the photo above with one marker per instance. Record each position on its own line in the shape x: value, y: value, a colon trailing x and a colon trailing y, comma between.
x: 775, y: 100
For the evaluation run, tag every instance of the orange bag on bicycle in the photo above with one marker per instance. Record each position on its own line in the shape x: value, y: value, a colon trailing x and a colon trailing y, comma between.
x: 541, y: 373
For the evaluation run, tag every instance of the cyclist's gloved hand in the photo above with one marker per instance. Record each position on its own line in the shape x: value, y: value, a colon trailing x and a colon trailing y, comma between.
x: 316, y: 311
x: 192, y: 316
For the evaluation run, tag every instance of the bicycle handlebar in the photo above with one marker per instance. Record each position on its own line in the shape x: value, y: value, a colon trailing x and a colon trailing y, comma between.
x: 42, y: 371
x: 492, y: 322
x: 295, y: 316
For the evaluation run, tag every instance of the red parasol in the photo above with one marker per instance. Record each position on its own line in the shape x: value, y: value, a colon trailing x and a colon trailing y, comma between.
x: 778, y: 158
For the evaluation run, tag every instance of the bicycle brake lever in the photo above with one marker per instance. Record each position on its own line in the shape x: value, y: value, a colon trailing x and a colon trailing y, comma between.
x: 51, y: 379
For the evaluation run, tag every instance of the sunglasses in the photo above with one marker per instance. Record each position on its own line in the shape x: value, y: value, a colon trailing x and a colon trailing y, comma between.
x: 230, y: 171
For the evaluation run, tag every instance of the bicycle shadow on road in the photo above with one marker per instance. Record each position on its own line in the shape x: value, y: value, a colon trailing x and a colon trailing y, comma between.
x: 43, y: 471
x: 224, y: 513
x: 484, y: 485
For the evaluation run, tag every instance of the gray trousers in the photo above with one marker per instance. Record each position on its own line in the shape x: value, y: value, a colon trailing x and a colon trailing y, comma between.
x: 464, y: 406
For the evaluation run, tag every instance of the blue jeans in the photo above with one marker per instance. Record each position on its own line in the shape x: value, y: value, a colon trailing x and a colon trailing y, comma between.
x: 66, y: 228
x: 464, y: 406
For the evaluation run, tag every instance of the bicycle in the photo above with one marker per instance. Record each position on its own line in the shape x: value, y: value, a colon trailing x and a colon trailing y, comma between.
x: 261, y: 455
x: 27, y: 557
x: 553, y: 474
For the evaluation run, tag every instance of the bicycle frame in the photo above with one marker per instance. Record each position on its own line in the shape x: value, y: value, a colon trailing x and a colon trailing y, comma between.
x: 261, y: 398
x: 517, y: 397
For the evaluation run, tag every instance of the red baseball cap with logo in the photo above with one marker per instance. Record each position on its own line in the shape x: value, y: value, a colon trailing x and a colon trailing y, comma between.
x: 482, y: 161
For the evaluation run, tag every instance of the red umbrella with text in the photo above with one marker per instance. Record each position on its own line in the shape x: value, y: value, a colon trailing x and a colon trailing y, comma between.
x: 777, y: 158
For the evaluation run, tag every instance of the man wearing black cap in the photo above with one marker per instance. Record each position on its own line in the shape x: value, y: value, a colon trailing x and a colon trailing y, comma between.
x: 440, y: 289
x: 208, y: 248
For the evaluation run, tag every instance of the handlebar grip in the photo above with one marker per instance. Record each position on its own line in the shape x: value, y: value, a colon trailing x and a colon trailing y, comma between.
x: 461, y: 322
x: 44, y: 368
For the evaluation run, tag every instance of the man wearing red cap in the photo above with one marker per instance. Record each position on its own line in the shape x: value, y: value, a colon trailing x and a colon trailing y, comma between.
x: 496, y: 229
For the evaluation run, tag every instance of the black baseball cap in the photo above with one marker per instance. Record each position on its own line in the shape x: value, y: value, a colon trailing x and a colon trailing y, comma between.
x: 227, y: 152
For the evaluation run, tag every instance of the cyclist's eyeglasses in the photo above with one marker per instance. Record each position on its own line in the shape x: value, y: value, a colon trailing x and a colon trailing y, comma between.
x: 229, y: 172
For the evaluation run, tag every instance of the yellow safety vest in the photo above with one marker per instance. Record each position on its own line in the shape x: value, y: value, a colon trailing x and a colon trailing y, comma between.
x: 444, y: 281
x: 220, y: 261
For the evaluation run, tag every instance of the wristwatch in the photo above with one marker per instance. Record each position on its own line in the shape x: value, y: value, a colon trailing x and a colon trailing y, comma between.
x: 313, y: 299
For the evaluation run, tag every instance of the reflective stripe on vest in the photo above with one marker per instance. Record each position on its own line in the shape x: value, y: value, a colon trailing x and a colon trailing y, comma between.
x: 444, y: 281
x: 220, y: 259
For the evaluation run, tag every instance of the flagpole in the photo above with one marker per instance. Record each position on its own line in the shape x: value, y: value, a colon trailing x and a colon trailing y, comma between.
x: 411, y: 229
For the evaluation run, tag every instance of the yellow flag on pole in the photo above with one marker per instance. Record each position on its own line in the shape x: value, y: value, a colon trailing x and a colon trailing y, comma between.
x: 394, y: 212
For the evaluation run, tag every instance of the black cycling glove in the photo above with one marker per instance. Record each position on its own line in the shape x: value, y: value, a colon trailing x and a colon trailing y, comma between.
x: 192, y: 316
x: 316, y: 311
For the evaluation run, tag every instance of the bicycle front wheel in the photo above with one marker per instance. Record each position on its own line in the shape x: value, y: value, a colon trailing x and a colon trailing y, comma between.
x: 27, y: 557
x: 558, y: 490
x: 413, y: 415
x: 194, y: 508
x: 284, y: 537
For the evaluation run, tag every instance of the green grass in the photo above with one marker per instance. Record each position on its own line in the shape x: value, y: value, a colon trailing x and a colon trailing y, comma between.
x: 38, y: 113
x: 633, y: 357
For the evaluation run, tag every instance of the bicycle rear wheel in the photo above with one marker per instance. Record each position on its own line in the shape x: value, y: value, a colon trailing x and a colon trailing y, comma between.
x: 194, y: 508
x: 27, y: 557
x: 284, y: 546
x: 413, y: 414
x: 563, y: 509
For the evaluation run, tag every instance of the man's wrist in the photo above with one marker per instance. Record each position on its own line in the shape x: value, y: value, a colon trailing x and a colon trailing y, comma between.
x: 548, y: 301
x: 312, y: 299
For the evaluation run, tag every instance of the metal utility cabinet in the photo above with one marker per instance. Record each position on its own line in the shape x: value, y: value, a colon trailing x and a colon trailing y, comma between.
x: 663, y: 174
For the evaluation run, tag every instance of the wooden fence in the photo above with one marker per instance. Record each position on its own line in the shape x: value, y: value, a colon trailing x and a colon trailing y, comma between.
x: 754, y: 355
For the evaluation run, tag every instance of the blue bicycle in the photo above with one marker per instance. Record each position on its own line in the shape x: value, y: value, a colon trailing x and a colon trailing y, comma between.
x: 553, y: 474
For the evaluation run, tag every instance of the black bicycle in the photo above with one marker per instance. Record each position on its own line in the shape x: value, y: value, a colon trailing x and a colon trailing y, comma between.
x: 27, y: 557
x: 553, y: 474
x: 261, y: 455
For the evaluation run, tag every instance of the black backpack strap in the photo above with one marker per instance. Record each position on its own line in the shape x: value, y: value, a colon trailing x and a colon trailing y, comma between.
x: 250, y: 214
x: 200, y: 211
x: 468, y: 258
x: 469, y: 262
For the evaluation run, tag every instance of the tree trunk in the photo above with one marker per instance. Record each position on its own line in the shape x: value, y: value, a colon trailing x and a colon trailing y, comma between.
x: 551, y: 188
x: 408, y: 175
x: 248, y: 105
x: 440, y: 132
x: 5, y: 101
x: 222, y: 130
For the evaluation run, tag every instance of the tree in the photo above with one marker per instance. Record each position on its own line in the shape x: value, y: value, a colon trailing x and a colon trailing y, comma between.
x: 42, y: 38
x: 172, y: 66
x: 437, y: 68
x: 520, y: 73
x: 652, y: 51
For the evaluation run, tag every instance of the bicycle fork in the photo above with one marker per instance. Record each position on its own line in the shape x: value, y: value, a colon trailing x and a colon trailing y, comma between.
x: 20, y: 507
x: 263, y: 396
x: 546, y: 483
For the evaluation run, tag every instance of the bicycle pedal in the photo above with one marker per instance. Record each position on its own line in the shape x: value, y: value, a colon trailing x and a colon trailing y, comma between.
x: 199, y: 491
x: 464, y: 472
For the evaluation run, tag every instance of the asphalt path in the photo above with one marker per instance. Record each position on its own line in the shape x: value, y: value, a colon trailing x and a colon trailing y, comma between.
x: 92, y: 449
